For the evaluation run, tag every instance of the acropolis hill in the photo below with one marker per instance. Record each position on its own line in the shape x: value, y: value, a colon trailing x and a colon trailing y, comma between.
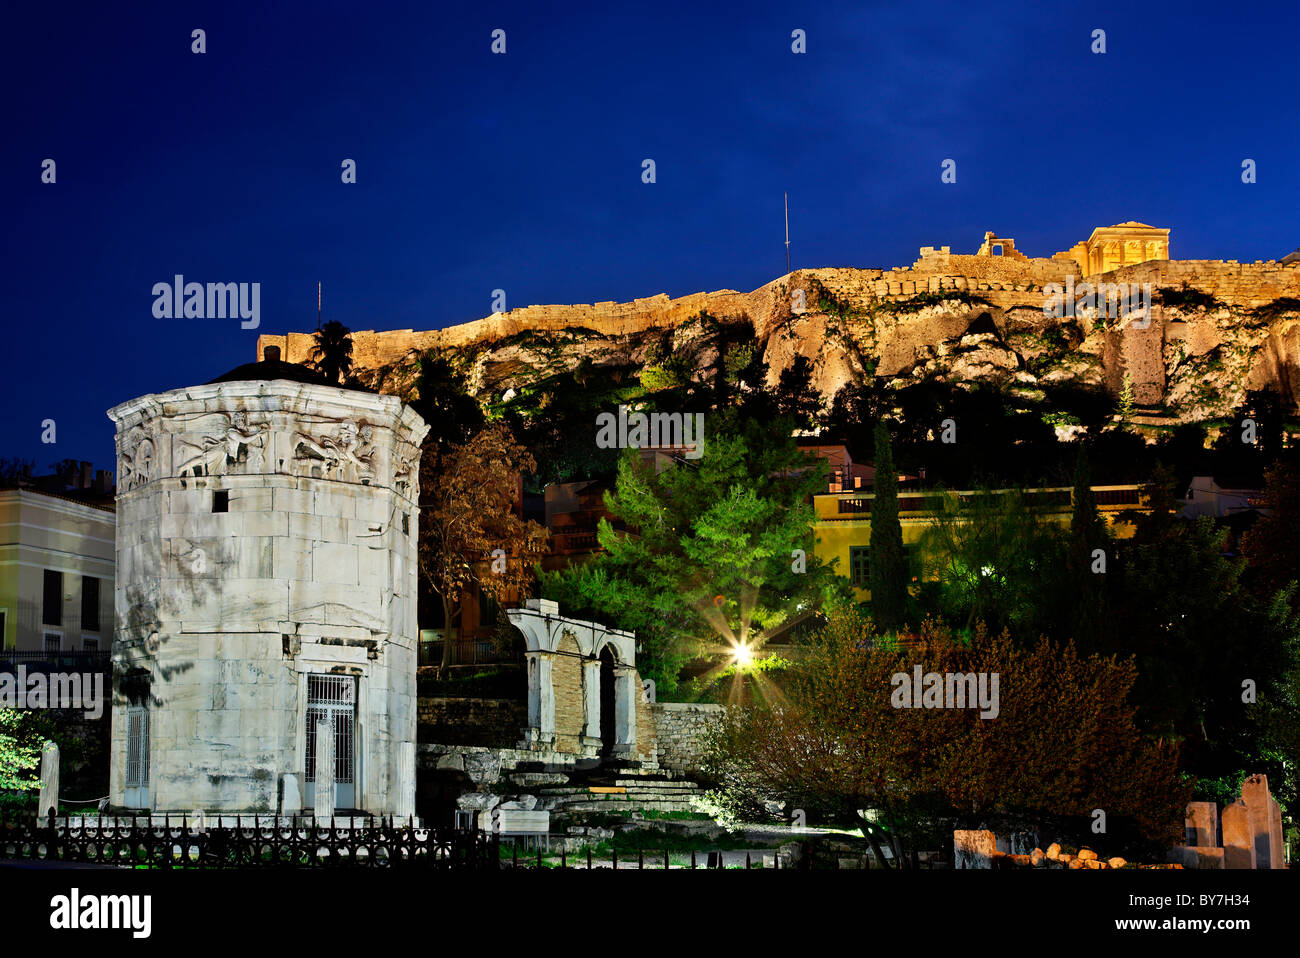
x: 1217, y: 328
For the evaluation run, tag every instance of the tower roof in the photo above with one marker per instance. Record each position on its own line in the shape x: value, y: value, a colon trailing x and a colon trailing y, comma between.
x: 272, y: 367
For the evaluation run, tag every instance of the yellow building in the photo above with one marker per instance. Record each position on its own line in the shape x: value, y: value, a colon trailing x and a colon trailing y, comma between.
x: 843, y: 527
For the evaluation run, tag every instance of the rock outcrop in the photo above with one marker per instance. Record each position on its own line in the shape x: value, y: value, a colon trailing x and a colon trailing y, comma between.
x: 1216, y: 329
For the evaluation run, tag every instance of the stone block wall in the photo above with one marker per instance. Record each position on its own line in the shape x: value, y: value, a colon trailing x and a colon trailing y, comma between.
x: 265, y: 533
x: 1006, y: 283
x: 490, y: 723
x: 570, y: 709
x: 680, y: 732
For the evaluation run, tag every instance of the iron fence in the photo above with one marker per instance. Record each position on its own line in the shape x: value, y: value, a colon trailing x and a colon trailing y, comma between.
x: 182, y: 842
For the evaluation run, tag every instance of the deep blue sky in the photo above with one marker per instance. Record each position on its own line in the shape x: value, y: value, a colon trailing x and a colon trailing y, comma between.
x: 523, y: 171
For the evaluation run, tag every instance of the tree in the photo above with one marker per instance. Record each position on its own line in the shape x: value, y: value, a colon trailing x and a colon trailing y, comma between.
x: 887, y: 574
x: 468, y: 496
x: 20, y: 752
x: 444, y: 403
x: 1271, y: 545
x: 717, y: 551
x: 1062, y: 743
x: 1126, y: 398
x: 15, y: 472
x: 1088, y: 560
x: 796, y: 397
x: 331, y: 351
x: 993, y: 555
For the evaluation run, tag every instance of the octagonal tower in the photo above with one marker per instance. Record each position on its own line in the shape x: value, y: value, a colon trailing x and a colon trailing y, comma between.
x: 266, y: 580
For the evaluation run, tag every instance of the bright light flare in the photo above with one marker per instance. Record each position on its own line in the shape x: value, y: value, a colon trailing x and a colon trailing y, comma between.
x: 743, y: 655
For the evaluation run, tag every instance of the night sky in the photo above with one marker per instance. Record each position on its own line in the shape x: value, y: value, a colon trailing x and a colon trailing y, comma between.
x: 523, y: 172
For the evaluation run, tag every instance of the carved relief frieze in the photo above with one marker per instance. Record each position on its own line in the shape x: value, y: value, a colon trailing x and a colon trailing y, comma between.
x: 345, y: 452
x: 219, y: 444
x: 136, y: 457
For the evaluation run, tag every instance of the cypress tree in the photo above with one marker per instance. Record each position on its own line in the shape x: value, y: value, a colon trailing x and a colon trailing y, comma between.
x: 888, y: 575
x: 1088, y: 532
x: 1087, y: 528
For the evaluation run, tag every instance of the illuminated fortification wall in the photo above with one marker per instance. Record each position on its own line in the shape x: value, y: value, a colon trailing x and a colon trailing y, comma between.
x: 1008, y: 284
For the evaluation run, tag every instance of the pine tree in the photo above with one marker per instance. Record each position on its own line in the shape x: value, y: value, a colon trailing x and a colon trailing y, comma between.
x: 888, y: 575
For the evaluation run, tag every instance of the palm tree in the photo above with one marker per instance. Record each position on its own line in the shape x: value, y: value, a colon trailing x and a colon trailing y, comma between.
x: 332, y: 352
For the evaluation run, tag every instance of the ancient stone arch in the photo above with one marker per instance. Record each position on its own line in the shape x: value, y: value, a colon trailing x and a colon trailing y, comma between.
x: 560, y: 688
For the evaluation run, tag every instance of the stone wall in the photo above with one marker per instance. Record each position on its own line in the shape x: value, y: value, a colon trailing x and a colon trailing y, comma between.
x: 894, y: 341
x: 265, y: 538
x: 490, y: 723
x: 570, y: 715
x: 680, y: 732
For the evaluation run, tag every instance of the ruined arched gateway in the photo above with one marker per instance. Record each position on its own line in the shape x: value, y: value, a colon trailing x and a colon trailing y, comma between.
x: 571, y: 665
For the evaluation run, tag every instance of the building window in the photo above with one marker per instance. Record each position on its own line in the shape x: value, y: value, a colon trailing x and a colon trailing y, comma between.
x: 52, y: 604
x: 137, y: 748
x: 406, y: 524
x: 221, y: 500
x: 860, y: 566
x: 90, y: 603
x: 487, y: 609
x: 90, y: 643
x: 855, y: 505
x: 53, y: 642
x: 912, y: 562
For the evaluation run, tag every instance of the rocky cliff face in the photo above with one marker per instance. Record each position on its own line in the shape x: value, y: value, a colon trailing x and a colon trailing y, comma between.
x: 1216, y: 330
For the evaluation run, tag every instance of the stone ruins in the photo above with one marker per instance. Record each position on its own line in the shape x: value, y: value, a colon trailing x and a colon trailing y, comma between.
x: 1226, y: 328
x: 266, y: 588
x: 1250, y: 836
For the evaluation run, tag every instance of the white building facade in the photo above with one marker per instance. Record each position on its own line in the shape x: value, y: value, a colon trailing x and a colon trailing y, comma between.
x: 56, y: 573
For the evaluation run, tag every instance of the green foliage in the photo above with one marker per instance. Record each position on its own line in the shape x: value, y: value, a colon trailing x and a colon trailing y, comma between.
x: 706, y: 558
x: 738, y: 359
x: 20, y: 751
x: 989, y: 553
x: 444, y: 402
x: 914, y: 304
x: 737, y: 683
x: 673, y: 372
x: 1126, y: 398
x: 331, y: 351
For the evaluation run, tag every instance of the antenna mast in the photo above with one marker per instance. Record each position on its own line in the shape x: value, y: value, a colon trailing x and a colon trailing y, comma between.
x: 318, y: 305
x: 787, y: 232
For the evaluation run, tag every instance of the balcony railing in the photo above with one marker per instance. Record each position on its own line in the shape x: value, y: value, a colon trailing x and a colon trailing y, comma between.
x: 469, y: 650
x: 41, y: 661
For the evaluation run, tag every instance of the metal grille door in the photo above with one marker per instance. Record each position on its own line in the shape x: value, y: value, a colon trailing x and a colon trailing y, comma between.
x: 137, y: 748
x: 333, y: 698
x: 136, y: 790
